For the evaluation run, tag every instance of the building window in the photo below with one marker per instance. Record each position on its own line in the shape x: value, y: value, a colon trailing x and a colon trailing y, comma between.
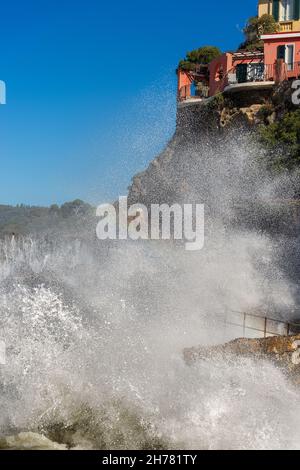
x: 286, y: 53
x: 289, y: 57
x: 287, y: 10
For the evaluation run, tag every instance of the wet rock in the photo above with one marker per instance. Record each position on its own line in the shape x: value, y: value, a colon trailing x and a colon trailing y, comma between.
x: 252, y: 113
x: 29, y: 441
x: 285, y: 350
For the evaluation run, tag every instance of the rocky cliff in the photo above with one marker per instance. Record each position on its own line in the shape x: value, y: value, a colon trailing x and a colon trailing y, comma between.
x: 204, y: 130
x: 217, y: 157
x: 283, y: 351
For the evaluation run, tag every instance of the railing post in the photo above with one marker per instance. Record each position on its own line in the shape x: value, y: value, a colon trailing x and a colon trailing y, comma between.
x: 244, y: 325
x: 280, y: 72
x: 265, y: 328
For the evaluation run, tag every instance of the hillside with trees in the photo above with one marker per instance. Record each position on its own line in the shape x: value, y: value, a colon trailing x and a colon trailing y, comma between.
x: 23, y: 219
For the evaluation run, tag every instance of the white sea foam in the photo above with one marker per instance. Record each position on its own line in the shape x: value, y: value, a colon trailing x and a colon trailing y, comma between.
x: 94, y: 336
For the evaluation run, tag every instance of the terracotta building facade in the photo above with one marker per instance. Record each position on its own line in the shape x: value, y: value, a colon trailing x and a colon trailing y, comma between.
x: 233, y: 71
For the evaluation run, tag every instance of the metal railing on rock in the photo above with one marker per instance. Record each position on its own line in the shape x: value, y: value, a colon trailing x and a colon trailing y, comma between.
x: 248, y: 325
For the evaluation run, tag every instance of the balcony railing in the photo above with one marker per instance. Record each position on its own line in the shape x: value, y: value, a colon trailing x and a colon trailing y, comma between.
x: 247, y: 325
x: 247, y: 73
x: 259, y: 72
x: 250, y: 73
x: 286, y: 26
x: 293, y: 70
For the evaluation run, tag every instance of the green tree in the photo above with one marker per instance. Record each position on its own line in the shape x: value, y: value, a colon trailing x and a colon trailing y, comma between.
x: 254, y: 28
x: 202, y: 55
x: 283, y: 137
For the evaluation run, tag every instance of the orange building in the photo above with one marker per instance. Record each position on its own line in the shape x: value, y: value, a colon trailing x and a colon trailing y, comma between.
x: 234, y: 71
x: 198, y: 76
x: 185, y: 81
x: 283, y: 48
x: 235, y: 68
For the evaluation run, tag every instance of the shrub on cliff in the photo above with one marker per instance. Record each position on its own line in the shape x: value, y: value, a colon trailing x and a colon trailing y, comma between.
x: 283, y: 137
x: 203, y: 55
x: 254, y: 28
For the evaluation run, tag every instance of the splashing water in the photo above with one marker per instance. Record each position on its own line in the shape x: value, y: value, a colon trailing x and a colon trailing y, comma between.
x: 106, y: 370
x: 95, y: 337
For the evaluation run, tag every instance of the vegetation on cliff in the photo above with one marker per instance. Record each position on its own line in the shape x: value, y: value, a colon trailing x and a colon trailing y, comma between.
x: 202, y: 55
x: 276, y: 120
x: 254, y: 28
x: 282, y: 138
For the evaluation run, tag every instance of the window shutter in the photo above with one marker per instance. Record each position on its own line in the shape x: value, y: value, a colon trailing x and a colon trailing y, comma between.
x: 281, y: 52
x: 297, y: 10
x: 276, y: 9
x: 241, y: 73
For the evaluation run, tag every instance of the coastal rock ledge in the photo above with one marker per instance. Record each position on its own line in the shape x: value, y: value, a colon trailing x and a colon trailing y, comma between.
x: 29, y: 441
x: 284, y: 350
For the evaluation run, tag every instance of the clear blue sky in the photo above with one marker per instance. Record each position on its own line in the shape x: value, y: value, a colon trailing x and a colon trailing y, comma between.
x: 91, y: 89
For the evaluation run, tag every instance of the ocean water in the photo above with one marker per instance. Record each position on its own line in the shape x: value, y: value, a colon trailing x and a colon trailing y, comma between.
x: 95, y: 331
x: 94, y: 347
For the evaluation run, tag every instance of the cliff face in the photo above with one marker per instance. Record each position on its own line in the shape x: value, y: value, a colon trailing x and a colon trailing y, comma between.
x: 216, y: 158
x: 205, y: 133
x: 165, y: 178
x: 284, y: 351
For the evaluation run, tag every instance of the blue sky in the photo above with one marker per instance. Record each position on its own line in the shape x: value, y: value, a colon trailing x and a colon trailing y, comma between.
x: 91, y: 89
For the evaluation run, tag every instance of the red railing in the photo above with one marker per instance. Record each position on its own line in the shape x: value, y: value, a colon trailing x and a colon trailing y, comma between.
x: 293, y: 70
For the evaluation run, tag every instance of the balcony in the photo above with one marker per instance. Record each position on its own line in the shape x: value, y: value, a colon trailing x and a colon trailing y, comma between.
x: 259, y: 75
x: 254, y: 75
x: 255, y: 72
x: 286, y: 26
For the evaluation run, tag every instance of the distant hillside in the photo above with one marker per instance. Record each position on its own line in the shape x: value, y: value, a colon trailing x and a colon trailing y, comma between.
x: 23, y: 220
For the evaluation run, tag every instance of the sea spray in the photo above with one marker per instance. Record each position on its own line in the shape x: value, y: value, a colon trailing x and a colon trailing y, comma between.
x: 95, y: 331
x: 119, y: 381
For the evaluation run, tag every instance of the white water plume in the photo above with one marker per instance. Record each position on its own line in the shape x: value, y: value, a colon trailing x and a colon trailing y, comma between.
x: 95, y: 338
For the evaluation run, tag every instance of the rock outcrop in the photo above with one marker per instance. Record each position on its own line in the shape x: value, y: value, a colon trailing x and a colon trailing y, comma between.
x: 204, y: 130
x: 29, y: 441
x: 283, y: 350
x: 215, y: 158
